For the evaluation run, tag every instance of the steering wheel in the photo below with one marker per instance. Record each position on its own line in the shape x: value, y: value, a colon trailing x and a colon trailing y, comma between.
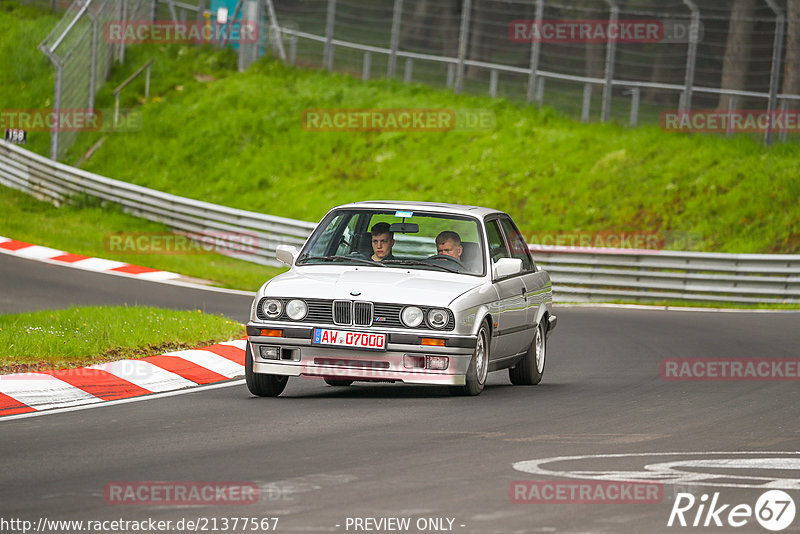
x: 446, y: 257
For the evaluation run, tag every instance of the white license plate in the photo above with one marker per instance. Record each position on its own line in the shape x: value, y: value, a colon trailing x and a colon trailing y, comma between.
x: 341, y: 338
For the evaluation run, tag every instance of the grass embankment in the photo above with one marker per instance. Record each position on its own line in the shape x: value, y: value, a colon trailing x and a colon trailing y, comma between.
x: 79, y: 336
x: 238, y: 141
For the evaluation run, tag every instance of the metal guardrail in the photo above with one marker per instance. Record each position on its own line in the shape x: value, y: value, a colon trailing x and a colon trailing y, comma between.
x: 49, y: 180
x: 596, y: 275
x: 578, y: 274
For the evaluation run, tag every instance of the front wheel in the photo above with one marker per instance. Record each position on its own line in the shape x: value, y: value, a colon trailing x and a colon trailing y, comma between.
x: 261, y: 384
x: 478, y: 366
x: 530, y: 369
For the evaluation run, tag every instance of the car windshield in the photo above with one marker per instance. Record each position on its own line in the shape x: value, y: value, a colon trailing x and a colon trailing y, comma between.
x: 402, y: 239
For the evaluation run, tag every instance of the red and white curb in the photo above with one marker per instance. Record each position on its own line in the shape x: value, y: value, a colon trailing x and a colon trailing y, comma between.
x: 37, y: 252
x: 45, y: 390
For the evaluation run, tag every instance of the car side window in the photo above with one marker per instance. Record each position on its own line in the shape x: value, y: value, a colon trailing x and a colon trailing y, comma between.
x: 516, y: 243
x: 497, y: 245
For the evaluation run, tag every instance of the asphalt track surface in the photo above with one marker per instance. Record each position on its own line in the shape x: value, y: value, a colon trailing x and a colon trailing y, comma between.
x: 321, y: 455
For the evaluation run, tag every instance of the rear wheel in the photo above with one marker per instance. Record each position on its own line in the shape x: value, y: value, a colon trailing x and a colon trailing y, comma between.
x: 261, y: 384
x: 530, y: 369
x: 338, y: 383
x: 478, y: 366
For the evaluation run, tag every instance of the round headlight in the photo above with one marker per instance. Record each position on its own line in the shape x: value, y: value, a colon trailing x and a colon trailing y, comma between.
x: 271, y: 308
x: 411, y: 316
x: 296, y: 309
x: 438, y: 318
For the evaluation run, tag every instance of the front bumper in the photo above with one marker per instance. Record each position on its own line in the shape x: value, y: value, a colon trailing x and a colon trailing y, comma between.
x: 403, y: 360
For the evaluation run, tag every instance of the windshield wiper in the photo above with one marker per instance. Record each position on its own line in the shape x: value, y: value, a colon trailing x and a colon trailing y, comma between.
x: 341, y: 258
x: 418, y: 262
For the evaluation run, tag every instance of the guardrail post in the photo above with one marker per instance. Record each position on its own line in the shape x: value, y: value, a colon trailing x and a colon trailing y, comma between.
x: 536, y: 50
x: 394, y: 41
x: 587, y: 102
x: 451, y: 74
x: 366, y: 66
x: 691, y: 55
x: 493, y: 83
x: 327, y: 61
x: 611, y: 51
x: 775, y: 74
x: 463, y: 39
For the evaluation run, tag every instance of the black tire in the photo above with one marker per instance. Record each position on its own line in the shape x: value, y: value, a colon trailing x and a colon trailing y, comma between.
x: 530, y: 369
x: 261, y: 384
x: 478, y: 366
x: 338, y: 383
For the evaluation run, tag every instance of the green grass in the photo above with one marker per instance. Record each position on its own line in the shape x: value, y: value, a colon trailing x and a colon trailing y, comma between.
x: 80, y: 336
x: 238, y: 141
x: 81, y: 229
x: 26, y: 75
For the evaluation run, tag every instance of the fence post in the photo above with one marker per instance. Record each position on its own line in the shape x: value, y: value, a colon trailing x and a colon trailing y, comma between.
x: 327, y: 61
x: 587, y: 102
x: 536, y: 50
x: 463, y: 38
x: 56, y: 105
x: 784, y: 114
x: 394, y: 42
x: 93, y: 66
x: 540, y: 91
x: 691, y: 57
x: 366, y: 67
x: 493, y: 83
x: 121, y: 47
x: 275, y: 31
x: 636, y: 94
x: 611, y: 50
x: 292, y: 49
x: 451, y: 74
x: 775, y: 75
x: 408, y: 69
x: 731, y: 107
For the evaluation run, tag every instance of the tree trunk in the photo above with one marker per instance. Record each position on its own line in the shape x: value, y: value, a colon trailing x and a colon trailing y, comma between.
x: 738, y: 49
x: 791, y: 80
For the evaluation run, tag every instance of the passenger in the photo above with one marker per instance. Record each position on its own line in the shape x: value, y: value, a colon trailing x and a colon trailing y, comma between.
x: 449, y: 244
x: 382, y: 242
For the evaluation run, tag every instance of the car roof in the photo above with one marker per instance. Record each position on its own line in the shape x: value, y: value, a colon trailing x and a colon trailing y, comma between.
x: 475, y: 211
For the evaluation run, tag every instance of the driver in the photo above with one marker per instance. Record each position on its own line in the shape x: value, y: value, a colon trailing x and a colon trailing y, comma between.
x: 382, y: 242
x: 449, y: 244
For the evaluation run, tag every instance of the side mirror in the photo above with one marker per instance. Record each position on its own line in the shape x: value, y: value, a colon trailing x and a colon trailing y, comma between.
x: 506, y: 267
x: 286, y: 254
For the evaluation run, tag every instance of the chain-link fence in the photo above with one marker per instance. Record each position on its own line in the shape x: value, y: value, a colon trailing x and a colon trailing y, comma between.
x: 82, y: 60
x: 701, y: 54
x: 666, y: 55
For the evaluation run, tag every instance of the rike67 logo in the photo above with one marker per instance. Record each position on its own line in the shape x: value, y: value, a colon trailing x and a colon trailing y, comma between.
x: 774, y: 510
